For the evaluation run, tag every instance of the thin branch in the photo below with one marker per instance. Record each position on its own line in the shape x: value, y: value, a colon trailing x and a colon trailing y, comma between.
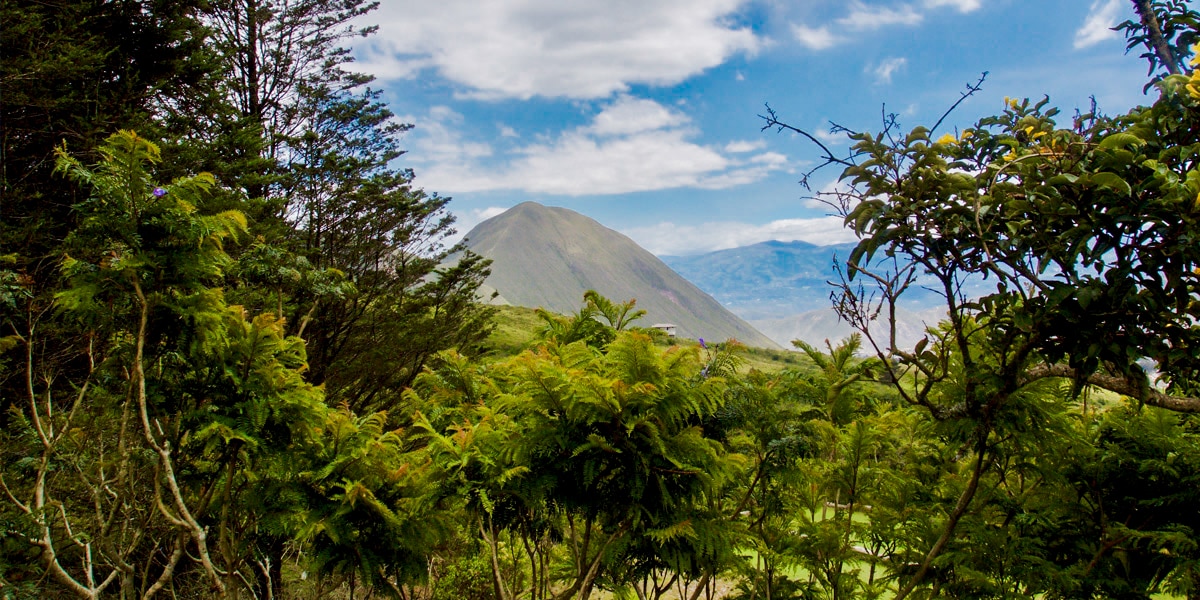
x: 772, y: 121
x: 964, y: 501
x: 971, y: 89
x: 164, y: 450
x: 168, y: 570
x: 24, y: 508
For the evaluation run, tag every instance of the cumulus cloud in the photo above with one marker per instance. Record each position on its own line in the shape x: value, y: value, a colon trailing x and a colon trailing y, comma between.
x: 551, y: 48
x: 1097, y: 27
x: 467, y: 220
x: 440, y: 140
x: 672, y: 239
x: 631, y: 145
x: 630, y: 115
x: 818, y: 38
x: 886, y: 68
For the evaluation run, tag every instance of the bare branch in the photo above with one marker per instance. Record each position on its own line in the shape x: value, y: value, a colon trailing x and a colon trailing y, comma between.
x: 772, y: 121
x: 971, y: 89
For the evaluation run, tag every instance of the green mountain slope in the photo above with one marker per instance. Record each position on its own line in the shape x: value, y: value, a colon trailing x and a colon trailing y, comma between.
x: 548, y: 257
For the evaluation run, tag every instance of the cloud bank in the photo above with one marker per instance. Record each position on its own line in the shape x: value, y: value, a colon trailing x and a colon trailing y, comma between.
x: 554, y: 48
x: 672, y: 239
x: 631, y: 145
x: 859, y: 17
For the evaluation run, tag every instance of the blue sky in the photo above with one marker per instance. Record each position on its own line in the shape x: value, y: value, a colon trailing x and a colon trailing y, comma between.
x: 643, y: 114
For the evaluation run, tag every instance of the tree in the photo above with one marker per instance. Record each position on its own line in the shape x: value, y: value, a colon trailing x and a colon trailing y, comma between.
x: 141, y: 267
x: 73, y: 72
x: 275, y: 53
x: 355, y: 256
x: 598, y: 447
x: 1085, y: 233
x: 409, y: 295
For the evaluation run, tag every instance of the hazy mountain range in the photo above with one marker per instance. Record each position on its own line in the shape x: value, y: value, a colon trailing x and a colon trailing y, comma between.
x: 765, y: 281
x: 783, y: 289
x: 548, y: 257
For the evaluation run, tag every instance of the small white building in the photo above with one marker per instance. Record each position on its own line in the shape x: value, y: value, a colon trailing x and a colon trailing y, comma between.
x: 665, y: 327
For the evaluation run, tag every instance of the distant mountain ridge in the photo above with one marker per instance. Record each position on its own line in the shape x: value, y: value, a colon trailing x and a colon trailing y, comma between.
x: 783, y: 289
x: 769, y: 280
x: 548, y: 257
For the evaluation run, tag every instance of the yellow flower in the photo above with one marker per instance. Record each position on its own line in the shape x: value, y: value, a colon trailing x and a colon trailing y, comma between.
x: 967, y: 134
x: 947, y: 139
x: 1193, y: 85
x: 1012, y: 103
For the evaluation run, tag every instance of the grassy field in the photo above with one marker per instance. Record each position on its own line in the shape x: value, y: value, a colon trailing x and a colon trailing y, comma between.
x: 516, y: 328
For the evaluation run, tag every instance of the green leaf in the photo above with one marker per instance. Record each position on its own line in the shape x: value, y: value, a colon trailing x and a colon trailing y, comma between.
x: 1113, y: 182
x: 1121, y: 141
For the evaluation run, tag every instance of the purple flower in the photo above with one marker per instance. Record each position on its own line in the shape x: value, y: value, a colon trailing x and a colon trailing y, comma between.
x: 159, y: 192
x: 702, y: 344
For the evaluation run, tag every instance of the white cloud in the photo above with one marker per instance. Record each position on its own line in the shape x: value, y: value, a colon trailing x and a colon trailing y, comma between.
x: 506, y: 131
x: 468, y: 220
x: 629, y: 115
x: 672, y: 239
x: 818, y: 38
x: 440, y: 140
x: 631, y: 145
x: 831, y: 138
x: 863, y: 17
x: 860, y: 16
x: 1102, y: 17
x: 552, y: 48
x: 963, y: 6
x: 888, y: 67
x: 740, y: 146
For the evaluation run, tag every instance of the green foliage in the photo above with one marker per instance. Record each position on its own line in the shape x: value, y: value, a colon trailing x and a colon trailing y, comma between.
x: 170, y: 425
x: 1083, y: 237
x: 1087, y: 287
x: 369, y: 518
x: 1168, y: 45
x: 175, y: 345
x: 598, y: 446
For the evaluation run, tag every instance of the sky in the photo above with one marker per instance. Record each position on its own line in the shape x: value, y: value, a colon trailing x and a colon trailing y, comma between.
x: 645, y: 114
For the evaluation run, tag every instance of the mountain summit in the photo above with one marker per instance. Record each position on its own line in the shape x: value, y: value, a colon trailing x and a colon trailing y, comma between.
x: 548, y: 257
